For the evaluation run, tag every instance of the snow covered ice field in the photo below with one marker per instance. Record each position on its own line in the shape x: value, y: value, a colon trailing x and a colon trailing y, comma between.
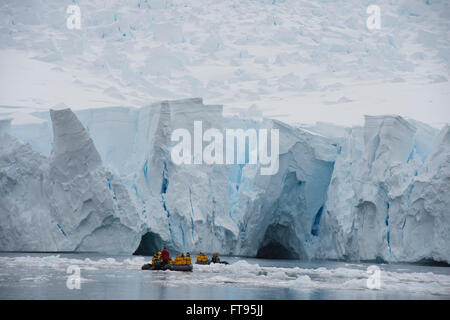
x: 44, y: 276
x: 297, y: 61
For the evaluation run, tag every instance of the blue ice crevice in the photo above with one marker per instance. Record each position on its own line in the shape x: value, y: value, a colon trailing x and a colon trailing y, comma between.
x: 61, y: 229
x: 234, y: 180
x: 145, y: 170
x: 192, y: 212
x: 164, y: 186
x: 315, y: 225
x: 165, y: 180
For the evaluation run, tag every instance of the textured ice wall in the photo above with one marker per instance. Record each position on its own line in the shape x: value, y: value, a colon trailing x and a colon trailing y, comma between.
x: 280, y: 214
x: 65, y: 202
x: 373, y: 192
x: 185, y: 205
x: 225, y: 208
x: 389, y: 194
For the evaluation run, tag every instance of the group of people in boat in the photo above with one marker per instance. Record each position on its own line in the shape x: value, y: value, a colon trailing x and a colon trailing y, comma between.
x: 163, y: 258
x: 203, y: 259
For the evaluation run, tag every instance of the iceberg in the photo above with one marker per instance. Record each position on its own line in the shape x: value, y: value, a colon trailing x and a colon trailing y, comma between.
x: 388, y: 195
x: 65, y: 202
x: 378, y: 191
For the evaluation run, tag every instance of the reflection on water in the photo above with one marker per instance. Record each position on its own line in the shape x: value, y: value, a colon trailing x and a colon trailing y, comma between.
x: 44, y: 276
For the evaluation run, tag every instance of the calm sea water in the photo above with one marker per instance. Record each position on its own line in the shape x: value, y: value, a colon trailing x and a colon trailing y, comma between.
x: 46, y: 276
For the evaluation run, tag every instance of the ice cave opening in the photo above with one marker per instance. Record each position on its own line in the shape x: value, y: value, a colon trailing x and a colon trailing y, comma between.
x: 275, y: 250
x: 278, y: 243
x: 150, y: 244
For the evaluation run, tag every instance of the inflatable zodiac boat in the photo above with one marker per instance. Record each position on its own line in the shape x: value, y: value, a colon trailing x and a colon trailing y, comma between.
x: 210, y: 262
x: 172, y: 267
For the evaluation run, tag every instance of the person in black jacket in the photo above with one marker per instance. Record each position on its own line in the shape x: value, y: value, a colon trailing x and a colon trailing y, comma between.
x: 215, y: 258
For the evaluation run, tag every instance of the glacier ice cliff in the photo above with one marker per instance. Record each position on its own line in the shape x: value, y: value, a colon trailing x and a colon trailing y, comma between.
x: 389, y: 194
x: 65, y: 202
x: 106, y: 182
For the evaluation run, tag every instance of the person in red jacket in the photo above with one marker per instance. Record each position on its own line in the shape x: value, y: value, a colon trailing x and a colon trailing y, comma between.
x: 165, y: 256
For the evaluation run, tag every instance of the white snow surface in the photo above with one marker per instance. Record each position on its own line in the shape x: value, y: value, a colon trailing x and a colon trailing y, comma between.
x: 295, y: 60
